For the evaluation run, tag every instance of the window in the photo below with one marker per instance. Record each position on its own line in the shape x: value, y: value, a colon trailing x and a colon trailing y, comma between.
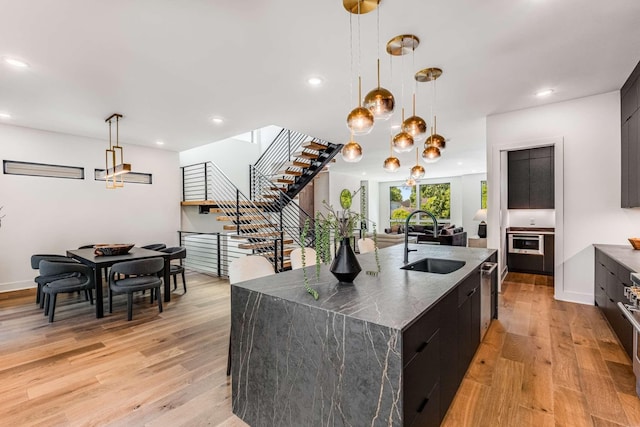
x: 41, y: 169
x: 483, y: 194
x: 436, y: 198
x: 403, y: 202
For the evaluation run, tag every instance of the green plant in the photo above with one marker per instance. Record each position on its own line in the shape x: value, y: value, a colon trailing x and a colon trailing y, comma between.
x: 340, y: 223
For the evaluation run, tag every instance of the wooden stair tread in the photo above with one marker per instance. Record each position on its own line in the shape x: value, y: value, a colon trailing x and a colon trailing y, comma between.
x: 283, y: 180
x: 218, y: 203
x: 256, y: 235
x: 290, y: 172
x: 241, y: 218
x: 287, y: 252
x: 314, y: 145
x: 240, y: 210
x: 277, y: 189
x: 259, y: 245
x: 300, y: 164
x: 307, y: 155
x: 243, y: 227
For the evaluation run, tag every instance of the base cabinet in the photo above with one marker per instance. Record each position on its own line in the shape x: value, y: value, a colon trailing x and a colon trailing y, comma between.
x: 610, y: 280
x: 437, y: 350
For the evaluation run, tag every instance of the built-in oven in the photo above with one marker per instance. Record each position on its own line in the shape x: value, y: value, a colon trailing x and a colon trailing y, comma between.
x: 526, y: 243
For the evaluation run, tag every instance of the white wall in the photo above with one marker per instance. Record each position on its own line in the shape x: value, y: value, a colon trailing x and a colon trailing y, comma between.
x: 471, y: 201
x: 590, y: 130
x: 337, y: 183
x: 51, y: 215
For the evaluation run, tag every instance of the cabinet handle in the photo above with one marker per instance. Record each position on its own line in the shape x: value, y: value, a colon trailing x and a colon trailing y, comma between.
x: 611, y: 300
x: 601, y: 288
x: 423, y: 404
x: 472, y: 292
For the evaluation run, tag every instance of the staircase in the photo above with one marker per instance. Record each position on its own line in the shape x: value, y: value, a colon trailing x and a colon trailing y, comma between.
x: 269, y: 223
x: 291, y: 161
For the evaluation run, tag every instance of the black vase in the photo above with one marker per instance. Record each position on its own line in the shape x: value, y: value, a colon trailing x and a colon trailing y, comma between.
x: 345, y: 266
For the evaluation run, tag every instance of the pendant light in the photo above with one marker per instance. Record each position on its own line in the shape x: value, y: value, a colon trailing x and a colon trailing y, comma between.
x: 435, y: 142
x: 434, y: 139
x: 415, y: 125
x: 410, y: 182
x: 431, y: 154
x: 391, y: 163
x: 351, y: 152
x: 417, y: 172
x: 360, y: 119
x: 403, y: 141
x: 380, y: 101
x: 115, y: 170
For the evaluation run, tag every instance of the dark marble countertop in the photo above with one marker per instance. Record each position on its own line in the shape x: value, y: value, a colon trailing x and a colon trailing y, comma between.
x: 394, y: 298
x: 624, y: 254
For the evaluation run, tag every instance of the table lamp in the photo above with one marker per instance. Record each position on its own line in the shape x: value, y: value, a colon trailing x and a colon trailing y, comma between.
x: 481, y: 215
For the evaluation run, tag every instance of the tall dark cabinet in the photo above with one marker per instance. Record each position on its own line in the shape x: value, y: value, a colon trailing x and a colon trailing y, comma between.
x: 531, y: 179
x: 630, y: 133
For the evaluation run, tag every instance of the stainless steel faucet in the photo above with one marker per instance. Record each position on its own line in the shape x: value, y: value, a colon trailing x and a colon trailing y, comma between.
x: 406, y: 232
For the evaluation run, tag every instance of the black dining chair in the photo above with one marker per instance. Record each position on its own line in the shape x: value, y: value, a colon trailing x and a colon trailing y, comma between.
x: 139, y: 275
x: 154, y: 246
x: 179, y: 253
x: 42, y: 279
x: 79, y: 278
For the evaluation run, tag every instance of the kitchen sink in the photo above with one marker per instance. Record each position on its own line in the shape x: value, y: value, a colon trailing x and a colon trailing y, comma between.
x: 435, y: 265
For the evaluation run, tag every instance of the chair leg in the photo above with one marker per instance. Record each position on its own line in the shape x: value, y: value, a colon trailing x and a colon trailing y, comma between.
x: 175, y: 282
x: 45, y: 302
x: 42, y: 297
x: 52, y: 306
x: 151, y: 295
x: 184, y: 283
x: 91, y: 296
x: 110, y: 300
x: 129, y: 305
x: 159, y: 300
x: 38, y: 291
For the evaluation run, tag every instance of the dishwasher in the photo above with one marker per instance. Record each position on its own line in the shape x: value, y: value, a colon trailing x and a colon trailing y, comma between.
x: 488, y: 278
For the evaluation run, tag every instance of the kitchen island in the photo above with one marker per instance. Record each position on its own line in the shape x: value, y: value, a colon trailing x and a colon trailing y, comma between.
x: 389, y: 349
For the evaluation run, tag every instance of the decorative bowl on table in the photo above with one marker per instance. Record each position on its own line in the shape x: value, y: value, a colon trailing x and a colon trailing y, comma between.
x: 635, y: 242
x: 110, y: 249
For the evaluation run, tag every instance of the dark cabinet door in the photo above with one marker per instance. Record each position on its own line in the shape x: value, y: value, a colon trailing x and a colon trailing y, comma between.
x: 541, y: 183
x: 518, y: 188
x: 624, y: 165
x: 629, y: 101
x: 633, y: 154
x: 450, y: 377
x: 468, y: 321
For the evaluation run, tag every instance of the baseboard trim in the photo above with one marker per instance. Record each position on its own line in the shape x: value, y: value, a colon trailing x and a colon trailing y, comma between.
x: 575, y: 297
x: 16, y: 286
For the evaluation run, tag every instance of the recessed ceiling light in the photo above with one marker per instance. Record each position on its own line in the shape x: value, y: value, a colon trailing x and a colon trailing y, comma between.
x: 160, y: 142
x: 364, y: 173
x: 15, y: 62
x: 459, y: 163
x: 217, y: 120
x: 315, y: 81
x: 545, y: 92
x: 5, y: 116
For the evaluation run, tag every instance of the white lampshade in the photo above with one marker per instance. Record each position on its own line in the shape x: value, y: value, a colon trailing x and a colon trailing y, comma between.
x: 481, y: 215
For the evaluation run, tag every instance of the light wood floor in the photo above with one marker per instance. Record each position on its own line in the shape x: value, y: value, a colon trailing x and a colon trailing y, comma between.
x: 543, y: 363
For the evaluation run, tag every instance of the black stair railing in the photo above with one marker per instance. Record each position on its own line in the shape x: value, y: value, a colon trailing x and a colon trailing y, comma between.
x: 282, y: 208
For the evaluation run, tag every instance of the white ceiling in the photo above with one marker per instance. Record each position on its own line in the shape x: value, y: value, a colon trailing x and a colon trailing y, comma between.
x: 171, y: 66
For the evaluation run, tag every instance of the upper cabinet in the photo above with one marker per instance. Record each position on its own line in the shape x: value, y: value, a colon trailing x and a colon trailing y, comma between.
x: 531, y: 179
x: 630, y: 142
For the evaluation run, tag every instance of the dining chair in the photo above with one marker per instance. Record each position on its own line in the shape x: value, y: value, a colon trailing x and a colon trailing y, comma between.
x: 247, y: 268
x: 154, y: 246
x: 179, y: 253
x: 42, y: 279
x: 296, y: 257
x: 366, y: 245
x: 79, y: 278
x: 139, y: 275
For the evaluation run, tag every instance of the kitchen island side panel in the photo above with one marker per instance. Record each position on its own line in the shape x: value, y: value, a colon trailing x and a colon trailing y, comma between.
x: 295, y: 365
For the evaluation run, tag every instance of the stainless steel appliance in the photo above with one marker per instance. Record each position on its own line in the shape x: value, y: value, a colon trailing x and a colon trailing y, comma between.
x: 632, y: 313
x: 488, y: 277
x: 526, y: 243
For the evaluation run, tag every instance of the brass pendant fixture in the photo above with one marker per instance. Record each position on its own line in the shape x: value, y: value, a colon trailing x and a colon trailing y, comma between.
x: 417, y: 172
x: 415, y: 125
x: 402, y: 44
x: 114, y: 169
x: 410, y: 182
x: 360, y: 7
x: 391, y: 163
x: 360, y: 119
x: 403, y: 141
x: 428, y: 74
x: 435, y: 139
x: 431, y: 154
x: 380, y: 101
x: 351, y: 152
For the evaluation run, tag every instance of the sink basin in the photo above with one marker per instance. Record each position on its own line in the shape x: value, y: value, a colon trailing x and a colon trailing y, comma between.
x: 435, y: 265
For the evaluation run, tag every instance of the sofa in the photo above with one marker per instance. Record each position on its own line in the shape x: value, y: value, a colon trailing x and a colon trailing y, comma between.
x: 448, y: 235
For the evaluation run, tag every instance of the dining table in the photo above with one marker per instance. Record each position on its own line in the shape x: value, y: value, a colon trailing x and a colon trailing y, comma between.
x: 98, y: 262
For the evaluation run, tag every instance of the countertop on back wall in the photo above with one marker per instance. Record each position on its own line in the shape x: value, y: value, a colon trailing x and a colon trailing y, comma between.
x: 538, y: 230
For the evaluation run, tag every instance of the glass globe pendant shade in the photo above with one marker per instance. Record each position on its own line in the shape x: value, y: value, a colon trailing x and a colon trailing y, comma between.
x: 360, y: 121
x: 431, y: 154
x: 352, y: 152
x: 410, y: 182
x: 380, y: 102
x: 391, y: 164
x: 417, y: 172
x: 437, y: 141
x: 416, y: 127
x: 402, y: 142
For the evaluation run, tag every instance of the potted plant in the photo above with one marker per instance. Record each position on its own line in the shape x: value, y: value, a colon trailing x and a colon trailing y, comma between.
x: 340, y: 225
